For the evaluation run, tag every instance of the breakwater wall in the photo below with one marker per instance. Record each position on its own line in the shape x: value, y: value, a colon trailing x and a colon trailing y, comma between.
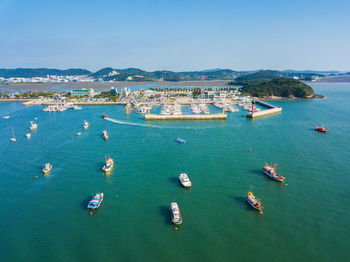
x: 271, y: 110
x: 186, y: 117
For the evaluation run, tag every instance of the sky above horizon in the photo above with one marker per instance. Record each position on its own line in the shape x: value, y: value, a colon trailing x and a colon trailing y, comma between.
x: 175, y: 35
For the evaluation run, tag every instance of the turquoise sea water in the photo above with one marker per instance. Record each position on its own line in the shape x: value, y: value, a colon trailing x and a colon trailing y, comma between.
x: 45, y: 218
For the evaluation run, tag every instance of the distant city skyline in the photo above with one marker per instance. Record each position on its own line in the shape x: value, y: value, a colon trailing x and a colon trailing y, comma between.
x: 176, y: 36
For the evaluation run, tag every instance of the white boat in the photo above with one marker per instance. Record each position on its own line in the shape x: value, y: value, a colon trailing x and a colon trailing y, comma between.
x: 86, y: 124
x: 33, y: 125
x: 142, y: 110
x: 105, y: 134
x: 79, y: 133
x: 28, y: 135
x: 108, y: 164
x: 175, y: 213
x: 13, y: 138
x: 47, y: 168
x: 184, y: 180
x: 6, y: 117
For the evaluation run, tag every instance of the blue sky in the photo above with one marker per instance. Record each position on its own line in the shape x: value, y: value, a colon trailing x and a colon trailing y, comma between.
x: 175, y: 35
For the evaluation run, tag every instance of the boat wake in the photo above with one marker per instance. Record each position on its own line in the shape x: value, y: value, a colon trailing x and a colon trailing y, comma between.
x: 156, y: 126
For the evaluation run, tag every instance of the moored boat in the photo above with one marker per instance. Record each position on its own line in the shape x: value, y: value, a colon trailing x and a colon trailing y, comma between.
x: 96, y: 201
x: 33, y: 125
x: 105, y: 134
x: 13, y: 138
x: 47, y: 168
x: 175, y: 213
x: 254, y: 202
x: 86, y: 124
x: 271, y: 171
x: 320, y: 129
x: 180, y: 140
x: 108, y: 164
x: 184, y: 180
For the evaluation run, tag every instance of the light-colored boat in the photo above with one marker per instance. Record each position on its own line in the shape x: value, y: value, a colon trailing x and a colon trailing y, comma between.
x: 79, y: 133
x: 13, y: 138
x: 6, y: 117
x: 86, y: 124
x: 105, y: 134
x: 175, y: 213
x: 33, y: 125
x: 254, y: 202
x: 28, y: 135
x: 184, y: 180
x: 271, y: 171
x: 108, y: 164
x: 47, y: 168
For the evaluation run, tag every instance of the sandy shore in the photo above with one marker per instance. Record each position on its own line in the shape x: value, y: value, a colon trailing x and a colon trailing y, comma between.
x: 100, y: 86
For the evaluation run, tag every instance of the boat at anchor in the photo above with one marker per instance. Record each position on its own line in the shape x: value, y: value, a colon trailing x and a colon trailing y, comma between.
x: 180, y: 140
x: 96, y: 201
x: 254, y: 202
x: 86, y: 124
x: 108, y: 164
x: 271, y: 171
x: 175, y: 213
x: 47, y: 168
x: 33, y: 125
x: 320, y: 129
x: 105, y: 134
x: 184, y: 180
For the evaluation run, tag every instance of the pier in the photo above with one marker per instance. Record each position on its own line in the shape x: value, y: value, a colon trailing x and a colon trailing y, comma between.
x: 270, y: 111
x: 186, y: 117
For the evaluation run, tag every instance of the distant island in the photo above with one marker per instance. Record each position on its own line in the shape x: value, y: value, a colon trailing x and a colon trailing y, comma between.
x: 278, y: 88
x: 108, y: 74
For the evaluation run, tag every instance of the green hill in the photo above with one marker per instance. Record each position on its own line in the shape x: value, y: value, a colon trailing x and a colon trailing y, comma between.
x: 281, y: 87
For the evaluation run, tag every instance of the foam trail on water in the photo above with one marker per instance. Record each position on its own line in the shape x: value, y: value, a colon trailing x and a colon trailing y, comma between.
x: 155, y: 126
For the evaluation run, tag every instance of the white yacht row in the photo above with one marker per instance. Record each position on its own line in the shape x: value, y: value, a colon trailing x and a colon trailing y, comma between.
x: 171, y: 110
x: 61, y: 107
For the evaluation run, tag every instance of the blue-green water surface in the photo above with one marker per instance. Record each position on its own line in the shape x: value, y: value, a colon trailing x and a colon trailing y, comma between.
x: 45, y: 218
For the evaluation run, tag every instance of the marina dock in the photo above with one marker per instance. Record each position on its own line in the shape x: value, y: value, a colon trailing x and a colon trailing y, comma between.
x: 271, y: 109
x: 186, y: 117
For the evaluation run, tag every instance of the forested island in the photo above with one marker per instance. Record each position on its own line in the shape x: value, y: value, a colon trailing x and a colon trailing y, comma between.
x: 278, y: 88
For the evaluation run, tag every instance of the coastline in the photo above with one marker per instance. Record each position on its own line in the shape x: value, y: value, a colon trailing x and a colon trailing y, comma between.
x: 280, y: 98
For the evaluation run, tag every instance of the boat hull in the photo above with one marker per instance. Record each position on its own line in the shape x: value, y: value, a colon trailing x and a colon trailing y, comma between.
x: 279, y: 179
x: 252, y: 204
x: 46, y: 171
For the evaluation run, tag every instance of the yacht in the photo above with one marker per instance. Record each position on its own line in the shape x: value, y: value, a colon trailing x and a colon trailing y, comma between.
x: 175, y: 213
x: 33, y: 125
x: 79, y: 133
x: 28, y: 135
x: 6, y: 117
x: 47, y: 168
x: 184, y: 180
x: 96, y: 201
x: 86, y: 124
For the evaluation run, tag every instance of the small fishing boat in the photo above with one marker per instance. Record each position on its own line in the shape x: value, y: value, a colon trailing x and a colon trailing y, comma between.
x: 184, y: 180
x: 104, y: 116
x: 28, y: 135
x: 175, y: 213
x: 254, y: 202
x: 320, y: 129
x: 47, y: 168
x: 271, y: 171
x: 6, y: 117
x: 86, y: 124
x: 179, y: 140
x: 33, y: 125
x: 96, y: 201
x: 108, y: 164
x: 13, y: 138
x: 105, y: 134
